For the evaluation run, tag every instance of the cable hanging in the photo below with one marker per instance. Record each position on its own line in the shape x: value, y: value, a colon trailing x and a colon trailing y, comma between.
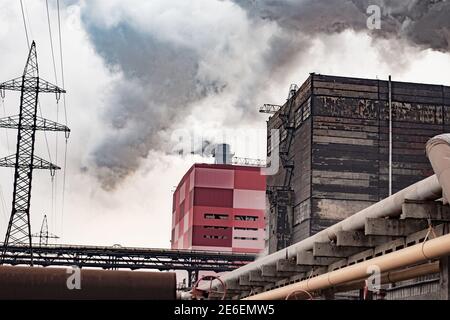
x: 65, y: 116
x: 51, y: 42
x: 58, y: 95
x: 2, y: 96
x: 3, y: 205
x: 25, y: 24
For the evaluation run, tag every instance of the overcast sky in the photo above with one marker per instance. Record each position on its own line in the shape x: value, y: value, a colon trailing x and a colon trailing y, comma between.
x: 138, y: 72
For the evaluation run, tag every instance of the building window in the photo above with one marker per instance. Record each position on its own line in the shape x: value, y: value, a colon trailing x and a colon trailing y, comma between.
x: 208, y: 236
x: 245, y: 238
x: 307, y: 109
x: 246, y: 218
x: 298, y: 117
x: 216, y: 216
x: 249, y: 229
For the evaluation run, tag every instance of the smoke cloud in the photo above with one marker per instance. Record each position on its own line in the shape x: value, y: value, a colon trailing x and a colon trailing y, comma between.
x: 173, y: 58
x: 424, y: 23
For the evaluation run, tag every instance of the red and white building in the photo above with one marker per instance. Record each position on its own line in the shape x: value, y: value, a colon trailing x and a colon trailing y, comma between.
x: 220, y: 207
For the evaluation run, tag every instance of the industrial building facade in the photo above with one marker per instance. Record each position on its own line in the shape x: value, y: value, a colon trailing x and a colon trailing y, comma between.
x: 335, y: 134
x: 220, y: 207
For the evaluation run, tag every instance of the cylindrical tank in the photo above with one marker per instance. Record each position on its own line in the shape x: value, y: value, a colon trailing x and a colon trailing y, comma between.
x: 68, y: 283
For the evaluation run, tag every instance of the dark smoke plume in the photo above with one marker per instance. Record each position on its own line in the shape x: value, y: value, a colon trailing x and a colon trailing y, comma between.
x: 425, y: 23
x: 162, y: 81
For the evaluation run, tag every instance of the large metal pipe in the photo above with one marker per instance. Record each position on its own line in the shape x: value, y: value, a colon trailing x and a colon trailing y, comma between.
x: 438, y: 151
x: 418, y: 253
x: 51, y: 283
x: 427, y: 189
x: 394, y: 276
x: 387, y: 277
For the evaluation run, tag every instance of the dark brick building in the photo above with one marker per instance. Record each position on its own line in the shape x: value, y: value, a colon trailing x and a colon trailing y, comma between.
x: 340, y: 148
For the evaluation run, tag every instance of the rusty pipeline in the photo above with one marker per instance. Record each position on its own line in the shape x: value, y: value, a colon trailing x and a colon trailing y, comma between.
x: 17, y: 282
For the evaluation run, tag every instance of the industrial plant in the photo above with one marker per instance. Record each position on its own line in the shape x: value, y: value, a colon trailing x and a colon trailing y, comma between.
x: 350, y: 200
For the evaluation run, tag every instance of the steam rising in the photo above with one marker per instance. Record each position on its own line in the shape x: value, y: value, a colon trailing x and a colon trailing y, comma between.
x: 174, y: 58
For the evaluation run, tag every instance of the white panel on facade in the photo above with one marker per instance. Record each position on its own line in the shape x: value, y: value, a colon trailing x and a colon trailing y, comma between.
x: 249, y: 199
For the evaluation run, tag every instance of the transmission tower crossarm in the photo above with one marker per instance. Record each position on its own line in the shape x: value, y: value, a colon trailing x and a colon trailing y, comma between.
x: 44, y: 86
x: 38, y: 163
x: 42, y: 124
x: 9, y: 161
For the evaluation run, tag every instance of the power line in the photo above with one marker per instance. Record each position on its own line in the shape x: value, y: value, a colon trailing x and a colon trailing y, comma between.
x: 60, y: 42
x: 54, y: 179
x: 28, y: 20
x: 25, y: 24
x: 65, y: 115
x: 64, y: 187
x: 62, y: 64
x: 6, y: 130
x: 2, y: 197
x: 3, y: 205
x: 51, y: 42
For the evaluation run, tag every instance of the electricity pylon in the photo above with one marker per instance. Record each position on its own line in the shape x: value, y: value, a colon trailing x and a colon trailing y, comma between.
x: 24, y: 161
x: 44, y: 235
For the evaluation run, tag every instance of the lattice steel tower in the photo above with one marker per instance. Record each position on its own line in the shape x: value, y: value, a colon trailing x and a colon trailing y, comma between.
x: 44, y: 234
x: 24, y: 161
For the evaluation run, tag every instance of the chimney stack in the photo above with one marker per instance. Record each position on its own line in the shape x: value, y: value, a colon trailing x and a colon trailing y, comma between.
x: 222, y: 154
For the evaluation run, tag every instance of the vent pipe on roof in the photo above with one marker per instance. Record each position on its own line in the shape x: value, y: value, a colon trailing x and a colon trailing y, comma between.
x: 222, y: 154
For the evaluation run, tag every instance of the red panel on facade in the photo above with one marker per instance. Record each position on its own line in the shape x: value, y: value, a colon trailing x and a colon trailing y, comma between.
x: 246, y: 250
x: 249, y: 179
x: 177, y: 216
x: 181, y: 226
x: 191, y: 199
x: 213, y: 197
x: 189, y: 233
x: 186, y: 244
x: 202, y: 236
x: 182, y: 211
x: 214, y: 178
x: 186, y: 191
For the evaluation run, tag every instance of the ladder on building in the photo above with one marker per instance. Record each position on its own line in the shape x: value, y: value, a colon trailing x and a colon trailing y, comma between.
x: 281, y: 197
